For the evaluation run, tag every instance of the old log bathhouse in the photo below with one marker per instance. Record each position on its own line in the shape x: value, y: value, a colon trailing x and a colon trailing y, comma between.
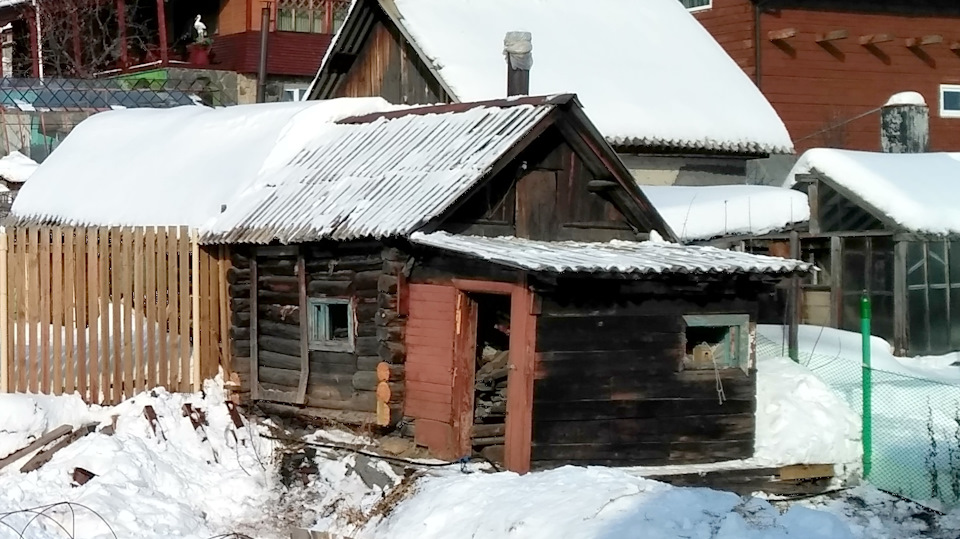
x: 488, y: 273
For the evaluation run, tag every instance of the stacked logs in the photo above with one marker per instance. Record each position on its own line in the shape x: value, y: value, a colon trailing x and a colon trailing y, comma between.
x: 490, y: 402
x: 390, y: 327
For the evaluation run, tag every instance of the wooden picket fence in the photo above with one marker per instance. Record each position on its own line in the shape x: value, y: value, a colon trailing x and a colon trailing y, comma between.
x: 108, y: 312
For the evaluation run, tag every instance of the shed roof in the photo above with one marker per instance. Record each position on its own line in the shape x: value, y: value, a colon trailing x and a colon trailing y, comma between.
x: 642, y: 68
x: 912, y: 192
x: 628, y: 257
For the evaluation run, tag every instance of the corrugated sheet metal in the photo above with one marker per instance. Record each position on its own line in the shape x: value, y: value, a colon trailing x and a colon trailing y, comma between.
x: 387, y: 177
x: 648, y: 257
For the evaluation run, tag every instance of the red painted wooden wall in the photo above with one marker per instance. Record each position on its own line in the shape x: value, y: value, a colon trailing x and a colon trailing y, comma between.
x: 430, y: 333
x: 816, y: 86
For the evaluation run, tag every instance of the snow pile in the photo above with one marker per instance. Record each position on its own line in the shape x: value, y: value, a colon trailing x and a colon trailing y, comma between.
x: 591, y: 502
x: 906, y: 98
x: 166, y: 485
x: 701, y: 213
x: 172, y: 166
x: 622, y: 39
x: 910, y: 189
x: 800, y: 420
x: 16, y: 167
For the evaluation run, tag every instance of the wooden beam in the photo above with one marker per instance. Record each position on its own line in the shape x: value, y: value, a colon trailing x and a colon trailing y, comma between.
x: 955, y: 46
x: 254, y: 317
x: 44, y: 456
x: 873, y: 39
x: 304, y: 329
x: 832, y: 36
x: 914, y: 42
x: 782, y: 34
x: 162, y: 23
x: 806, y: 471
x: 51, y: 436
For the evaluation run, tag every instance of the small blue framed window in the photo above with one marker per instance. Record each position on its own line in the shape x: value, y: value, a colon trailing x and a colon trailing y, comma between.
x: 950, y: 101
x: 331, y: 324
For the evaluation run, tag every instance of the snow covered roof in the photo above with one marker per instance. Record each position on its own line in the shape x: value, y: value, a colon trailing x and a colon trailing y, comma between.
x: 646, y: 71
x: 16, y: 167
x: 702, y: 213
x: 170, y: 167
x: 911, y: 191
x: 648, y: 257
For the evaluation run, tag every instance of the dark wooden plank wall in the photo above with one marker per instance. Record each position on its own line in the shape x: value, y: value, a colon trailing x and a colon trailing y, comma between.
x: 547, y: 200
x: 365, y: 272
x: 609, y: 390
x: 385, y: 68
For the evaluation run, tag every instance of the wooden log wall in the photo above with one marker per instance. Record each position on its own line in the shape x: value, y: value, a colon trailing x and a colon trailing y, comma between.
x: 609, y: 387
x: 345, y: 383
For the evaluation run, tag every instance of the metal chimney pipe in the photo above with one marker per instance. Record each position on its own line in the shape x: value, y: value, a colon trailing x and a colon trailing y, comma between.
x: 905, y: 124
x: 518, y: 50
x: 262, y: 67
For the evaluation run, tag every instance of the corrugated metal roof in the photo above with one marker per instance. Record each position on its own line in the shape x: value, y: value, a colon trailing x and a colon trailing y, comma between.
x: 384, y: 176
x: 648, y: 257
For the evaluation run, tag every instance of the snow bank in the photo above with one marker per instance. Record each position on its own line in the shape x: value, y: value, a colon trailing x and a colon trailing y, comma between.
x: 16, y: 167
x: 800, y: 420
x: 622, y: 39
x: 591, y: 502
x: 910, y: 189
x: 173, y: 166
x: 701, y: 213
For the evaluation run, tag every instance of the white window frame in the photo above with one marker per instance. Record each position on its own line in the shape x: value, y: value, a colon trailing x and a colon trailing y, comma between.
x: 944, y: 88
x: 317, y: 319
x: 694, y: 9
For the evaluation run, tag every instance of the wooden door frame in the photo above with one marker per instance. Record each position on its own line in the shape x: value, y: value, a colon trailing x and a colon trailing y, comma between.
x: 519, y: 420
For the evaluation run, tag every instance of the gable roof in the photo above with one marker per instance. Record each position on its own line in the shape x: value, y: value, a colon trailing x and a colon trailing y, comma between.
x: 170, y: 167
x: 642, y: 68
x: 393, y: 173
x: 623, y: 257
x: 911, y: 192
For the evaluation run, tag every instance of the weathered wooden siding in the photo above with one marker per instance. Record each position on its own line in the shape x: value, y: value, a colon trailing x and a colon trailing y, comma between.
x: 609, y: 388
x: 238, y: 290
x: 385, y: 68
x: 544, y: 195
x: 731, y: 24
x: 430, y: 332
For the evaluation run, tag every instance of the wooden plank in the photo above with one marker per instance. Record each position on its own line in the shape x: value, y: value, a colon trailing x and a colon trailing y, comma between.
x: 464, y: 371
x: 185, y: 302
x: 423, y: 409
x: 212, y: 365
x: 126, y: 252
x: 171, y: 319
x: 226, y: 347
x: 873, y: 39
x: 51, y: 436
x: 45, y: 317
x: 523, y: 342
x: 254, y: 346
x: 5, y: 334
x: 932, y: 39
x: 139, y: 269
x: 833, y: 35
x: 103, y: 273
x: 585, y: 410
x: 93, y: 312
x: 80, y: 289
x: 44, y: 456
x: 304, y: 330
x: 602, y: 432
x: 195, y: 319
x: 782, y: 34
x: 33, y: 308
x: 69, y: 307
x: 162, y: 310
x: 19, y: 270
x: 806, y: 471
x: 150, y: 307
x: 116, y: 302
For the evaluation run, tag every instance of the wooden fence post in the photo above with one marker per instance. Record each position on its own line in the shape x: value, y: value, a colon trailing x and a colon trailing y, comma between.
x: 195, y: 279
x: 4, y: 334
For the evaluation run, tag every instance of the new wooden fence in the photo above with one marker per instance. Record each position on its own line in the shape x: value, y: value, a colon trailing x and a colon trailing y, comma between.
x: 107, y: 312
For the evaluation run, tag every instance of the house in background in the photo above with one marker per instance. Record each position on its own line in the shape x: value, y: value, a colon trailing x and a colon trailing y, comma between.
x: 647, y: 73
x: 490, y: 272
x: 828, y: 65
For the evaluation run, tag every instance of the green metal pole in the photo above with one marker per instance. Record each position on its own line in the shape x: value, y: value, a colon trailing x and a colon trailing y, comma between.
x: 867, y: 396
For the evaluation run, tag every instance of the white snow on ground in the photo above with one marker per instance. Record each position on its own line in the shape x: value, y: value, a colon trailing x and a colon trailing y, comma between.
x: 623, y: 39
x: 701, y: 213
x: 16, y: 167
x: 172, y: 166
x: 909, y: 189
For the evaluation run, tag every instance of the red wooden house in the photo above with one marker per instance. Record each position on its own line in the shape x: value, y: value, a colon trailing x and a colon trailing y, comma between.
x: 828, y: 65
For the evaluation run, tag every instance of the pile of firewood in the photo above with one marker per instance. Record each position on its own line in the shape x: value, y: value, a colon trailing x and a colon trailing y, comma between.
x: 490, y: 408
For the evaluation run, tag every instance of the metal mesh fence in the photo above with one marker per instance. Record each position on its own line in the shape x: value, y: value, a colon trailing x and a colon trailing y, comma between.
x: 914, y: 425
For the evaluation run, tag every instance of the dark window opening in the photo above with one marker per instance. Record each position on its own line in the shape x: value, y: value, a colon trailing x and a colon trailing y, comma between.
x: 331, y: 324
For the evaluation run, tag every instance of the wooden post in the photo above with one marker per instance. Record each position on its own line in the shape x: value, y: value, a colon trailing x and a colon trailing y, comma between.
x: 304, y: 329
x: 262, y: 66
x: 162, y: 23
x: 195, y: 278
x: 464, y: 373
x: 254, y: 347
x: 122, y: 30
x: 836, y: 281
x: 35, y: 43
x: 519, y: 423
x: 226, y: 351
x: 793, y: 301
x: 4, y: 334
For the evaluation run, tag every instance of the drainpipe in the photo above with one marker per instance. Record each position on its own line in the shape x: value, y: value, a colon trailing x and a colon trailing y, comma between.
x: 262, y: 68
